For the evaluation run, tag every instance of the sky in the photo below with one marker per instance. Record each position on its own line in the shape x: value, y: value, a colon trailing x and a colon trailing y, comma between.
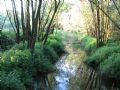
x: 8, y: 4
x: 73, y: 18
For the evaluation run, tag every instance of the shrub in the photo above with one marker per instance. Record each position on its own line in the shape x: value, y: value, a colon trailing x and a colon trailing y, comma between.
x: 21, y: 61
x: 107, y: 60
x: 10, y: 34
x: 88, y: 43
x: 55, y: 37
x: 111, y: 66
x: 41, y: 63
x: 57, y: 46
x: 112, y: 42
x: 38, y: 45
x: 26, y: 77
x: 50, y: 54
x: 26, y: 64
x: 55, y: 41
x: 5, y: 42
x: 20, y: 46
x: 10, y: 81
x: 13, y: 59
x: 101, y: 54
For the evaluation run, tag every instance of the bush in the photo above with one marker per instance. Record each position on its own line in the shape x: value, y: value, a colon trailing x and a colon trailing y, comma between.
x: 57, y: 46
x: 20, y: 46
x: 55, y: 41
x: 107, y: 60
x: 55, y: 37
x: 10, y: 34
x: 101, y: 54
x: 112, y: 42
x: 41, y: 63
x: 5, y: 42
x: 14, y: 59
x: 28, y: 65
x: 10, y: 81
x: 26, y: 77
x: 111, y: 66
x: 50, y: 54
x: 89, y: 43
x: 19, y: 60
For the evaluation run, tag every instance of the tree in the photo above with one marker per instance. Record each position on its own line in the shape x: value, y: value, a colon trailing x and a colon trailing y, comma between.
x: 37, y: 17
x: 102, y: 19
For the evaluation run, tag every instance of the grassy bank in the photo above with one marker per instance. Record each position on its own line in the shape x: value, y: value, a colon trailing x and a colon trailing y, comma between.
x: 105, y: 59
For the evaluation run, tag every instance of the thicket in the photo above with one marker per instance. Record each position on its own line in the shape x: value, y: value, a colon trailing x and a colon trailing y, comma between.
x: 106, y: 60
x: 56, y: 44
x: 5, y: 42
x: 103, y: 25
x: 88, y: 43
x: 19, y: 67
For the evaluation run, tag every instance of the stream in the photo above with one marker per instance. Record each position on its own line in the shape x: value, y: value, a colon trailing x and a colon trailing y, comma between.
x: 68, y: 67
x: 72, y: 73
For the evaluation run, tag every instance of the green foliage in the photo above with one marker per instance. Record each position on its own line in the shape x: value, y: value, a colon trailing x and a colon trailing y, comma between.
x: 111, y: 66
x: 101, y: 54
x: 26, y: 77
x: 41, y: 63
x: 10, y: 34
x: 27, y: 65
x: 65, y: 7
x: 88, y: 43
x: 10, y: 81
x: 57, y: 46
x: 55, y: 41
x: 110, y: 42
x: 107, y: 60
x: 5, y: 42
x: 19, y: 60
x: 50, y: 54
x: 14, y: 59
x: 55, y: 37
x: 20, y: 46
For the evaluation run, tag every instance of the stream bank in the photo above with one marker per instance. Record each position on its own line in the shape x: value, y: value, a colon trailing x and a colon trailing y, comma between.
x: 72, y: 73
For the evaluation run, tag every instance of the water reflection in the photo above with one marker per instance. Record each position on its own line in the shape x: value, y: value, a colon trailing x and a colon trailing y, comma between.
x: 72, y: 73
x: 67, y: 68
x: 61, y: 77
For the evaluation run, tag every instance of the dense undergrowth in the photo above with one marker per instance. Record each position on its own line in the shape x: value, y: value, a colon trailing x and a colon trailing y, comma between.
x: 105, y: 59
x: 88, y: 44
x: 18, y: 67
x: 5, y: 42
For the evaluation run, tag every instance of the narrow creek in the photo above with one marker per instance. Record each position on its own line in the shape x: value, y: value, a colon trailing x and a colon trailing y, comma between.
x: 66, y: 77
x: 72, y: 73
